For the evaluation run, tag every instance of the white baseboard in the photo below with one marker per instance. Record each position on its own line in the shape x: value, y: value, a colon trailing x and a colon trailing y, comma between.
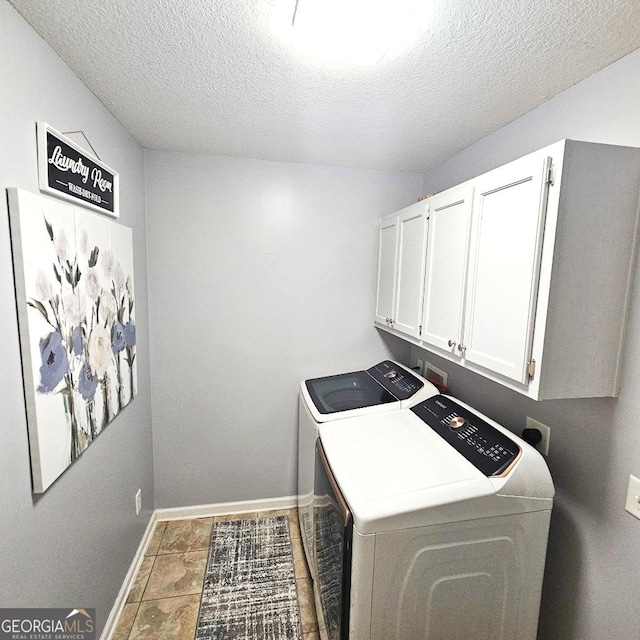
x: 129, y: 579
x: 226, y: 508
x: 182, y: 513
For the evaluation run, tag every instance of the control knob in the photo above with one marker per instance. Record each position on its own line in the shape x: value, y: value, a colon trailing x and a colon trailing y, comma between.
x: 457, y: 422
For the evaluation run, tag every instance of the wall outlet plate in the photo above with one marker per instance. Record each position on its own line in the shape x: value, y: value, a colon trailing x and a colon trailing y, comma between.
x: 138, y: 501
x: 543, y: 445
x: 633, y: 497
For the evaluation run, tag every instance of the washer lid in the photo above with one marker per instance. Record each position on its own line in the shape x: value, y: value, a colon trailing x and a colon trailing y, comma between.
x: 347, y: 391
x: 387, y: 386
x: 395, y: 472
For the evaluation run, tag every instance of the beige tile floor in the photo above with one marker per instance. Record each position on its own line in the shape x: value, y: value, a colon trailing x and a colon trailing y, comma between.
x: 164, y: 601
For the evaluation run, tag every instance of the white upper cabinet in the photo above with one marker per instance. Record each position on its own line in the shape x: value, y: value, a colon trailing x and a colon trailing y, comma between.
x: 387, y: 255
x: 401, y: 269
x: 504, y: 263
x: 529, y: 269
x: 449, y: 221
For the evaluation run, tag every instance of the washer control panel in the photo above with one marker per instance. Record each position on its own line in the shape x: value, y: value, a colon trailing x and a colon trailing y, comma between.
x: 396, y: 380
x: 489, y: 450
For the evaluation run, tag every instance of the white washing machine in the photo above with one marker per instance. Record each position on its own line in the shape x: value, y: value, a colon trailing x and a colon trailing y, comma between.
x: 387, y: 386
x: 431, y: 523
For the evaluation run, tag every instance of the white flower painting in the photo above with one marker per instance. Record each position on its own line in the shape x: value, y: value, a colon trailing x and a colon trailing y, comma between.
x: 75, y: 301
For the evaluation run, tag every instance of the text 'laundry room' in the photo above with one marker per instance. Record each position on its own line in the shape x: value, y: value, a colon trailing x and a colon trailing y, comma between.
x: 313, y: 337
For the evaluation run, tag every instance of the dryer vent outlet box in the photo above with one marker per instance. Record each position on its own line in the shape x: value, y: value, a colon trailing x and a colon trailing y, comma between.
x: 431, y: 372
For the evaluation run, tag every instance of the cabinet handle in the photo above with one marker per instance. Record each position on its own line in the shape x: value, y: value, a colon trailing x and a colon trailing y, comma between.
x: 461, y: 348
x: 452, y: 343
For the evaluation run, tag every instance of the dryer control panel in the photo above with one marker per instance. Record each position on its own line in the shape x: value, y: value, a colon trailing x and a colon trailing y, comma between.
x: 396, y: 380
x: 489, y: 450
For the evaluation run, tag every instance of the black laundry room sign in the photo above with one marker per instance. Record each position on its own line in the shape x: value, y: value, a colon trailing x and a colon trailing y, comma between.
x: 65, y: 170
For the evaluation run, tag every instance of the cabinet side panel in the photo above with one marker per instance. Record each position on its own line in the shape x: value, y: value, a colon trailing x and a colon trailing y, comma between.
x: 592, y: 270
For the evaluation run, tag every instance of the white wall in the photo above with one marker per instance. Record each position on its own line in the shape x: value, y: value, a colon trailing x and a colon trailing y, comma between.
x: 593, y: 567
x: 261, y: 274
x: 72, y: 546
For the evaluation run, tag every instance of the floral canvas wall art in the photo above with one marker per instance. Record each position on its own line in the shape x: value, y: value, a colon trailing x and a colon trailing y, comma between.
x: 75, y: 300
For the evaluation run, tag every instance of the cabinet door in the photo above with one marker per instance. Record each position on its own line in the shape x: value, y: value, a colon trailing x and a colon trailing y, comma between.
x: 410, y: 269
x: 506, y: 245
x: 387, y: 253
x: 447, y: 249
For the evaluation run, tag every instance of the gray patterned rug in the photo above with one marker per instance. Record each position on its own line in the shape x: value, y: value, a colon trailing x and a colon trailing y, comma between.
x: 250, y: 586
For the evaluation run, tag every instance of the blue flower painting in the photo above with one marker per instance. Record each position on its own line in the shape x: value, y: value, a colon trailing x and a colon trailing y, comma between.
x: 75, y: 300
x: 55, y: 364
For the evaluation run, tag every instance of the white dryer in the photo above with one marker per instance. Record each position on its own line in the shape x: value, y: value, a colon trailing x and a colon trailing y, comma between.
x: 385, y: 387
x: 431, y: 524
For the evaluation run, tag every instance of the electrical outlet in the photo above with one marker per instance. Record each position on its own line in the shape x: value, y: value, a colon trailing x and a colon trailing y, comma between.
x: 543, y: 445
x: 138, y: 501
x: 633, y: 497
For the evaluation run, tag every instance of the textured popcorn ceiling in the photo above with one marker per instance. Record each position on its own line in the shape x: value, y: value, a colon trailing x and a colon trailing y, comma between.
x: 217, y: 76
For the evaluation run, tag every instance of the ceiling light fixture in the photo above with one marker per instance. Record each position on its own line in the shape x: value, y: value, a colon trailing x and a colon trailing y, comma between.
x: 350, y: 31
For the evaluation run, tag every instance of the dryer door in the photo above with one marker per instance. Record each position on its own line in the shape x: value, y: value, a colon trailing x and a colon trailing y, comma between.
x: 333, y: 534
